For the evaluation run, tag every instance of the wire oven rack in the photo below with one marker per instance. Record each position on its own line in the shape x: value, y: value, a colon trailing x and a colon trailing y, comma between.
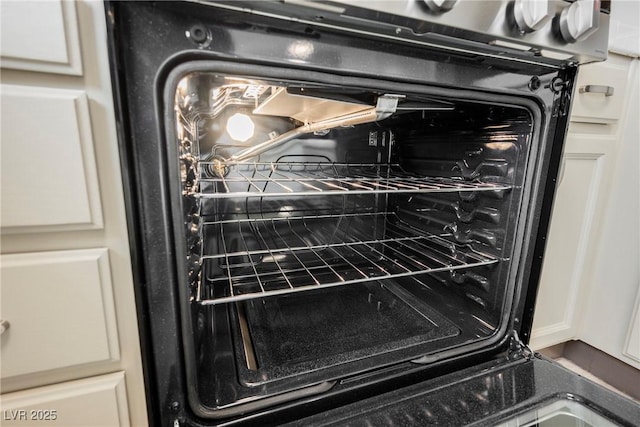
x: 306, y: 178
x: 273, y: 256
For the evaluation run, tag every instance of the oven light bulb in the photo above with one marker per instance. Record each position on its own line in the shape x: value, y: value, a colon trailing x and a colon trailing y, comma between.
x: 240, y: 127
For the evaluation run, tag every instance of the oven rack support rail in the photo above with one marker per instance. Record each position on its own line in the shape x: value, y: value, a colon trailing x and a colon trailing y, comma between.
x: 275, y: 179
x: 285, y: 262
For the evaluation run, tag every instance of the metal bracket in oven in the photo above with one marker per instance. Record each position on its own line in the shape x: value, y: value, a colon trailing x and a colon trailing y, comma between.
x: 517, y: 348
x: 386, y: 105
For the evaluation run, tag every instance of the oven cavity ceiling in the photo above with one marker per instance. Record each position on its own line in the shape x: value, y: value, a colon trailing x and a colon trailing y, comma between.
x: 313, y: 113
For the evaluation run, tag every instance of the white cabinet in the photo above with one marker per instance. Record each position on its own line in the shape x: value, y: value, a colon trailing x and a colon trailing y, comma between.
x: 584, y: 291
x: 624, y: 31
x: 67, y: 288
x: 49, y: 179
x: 610, y: 315
x: 70, y: 318
x: 600, y: 94
x: 579, y: 198
x: 97, y: 401
x: 40, y: 36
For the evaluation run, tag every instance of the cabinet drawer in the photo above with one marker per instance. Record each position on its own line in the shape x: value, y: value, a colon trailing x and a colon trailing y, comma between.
x: 59, y: 306
x: 40, y: 36
x: 96, y: 401
x: 591, y: 103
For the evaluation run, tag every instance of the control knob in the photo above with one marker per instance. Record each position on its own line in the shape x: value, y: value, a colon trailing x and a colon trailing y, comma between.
x: 440, y: 6
x: 531, y: 15
x: 579, y: 20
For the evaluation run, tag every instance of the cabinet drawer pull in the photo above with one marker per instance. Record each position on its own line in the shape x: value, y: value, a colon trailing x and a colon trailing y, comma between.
x: 606, y: 90
x: 4, y: 325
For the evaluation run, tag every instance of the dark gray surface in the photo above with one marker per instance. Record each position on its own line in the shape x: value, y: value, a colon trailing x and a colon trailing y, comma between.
x: 347, y: 323
x: 480, y: 396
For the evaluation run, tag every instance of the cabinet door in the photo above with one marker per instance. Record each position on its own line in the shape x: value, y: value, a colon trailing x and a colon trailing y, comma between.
x: 614, y: 283
x: 40, y: 36
x: 60, y: 310
x: 49, y: 177
x: 97, y: 401
x: 575, y: 219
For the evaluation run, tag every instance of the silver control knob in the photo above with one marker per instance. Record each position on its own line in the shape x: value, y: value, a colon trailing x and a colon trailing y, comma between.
x: 580, y: 20
x: 440, y: 6
x: 531, y: 15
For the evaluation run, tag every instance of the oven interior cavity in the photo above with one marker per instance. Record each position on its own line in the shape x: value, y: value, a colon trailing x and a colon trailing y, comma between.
x: 333, y: 231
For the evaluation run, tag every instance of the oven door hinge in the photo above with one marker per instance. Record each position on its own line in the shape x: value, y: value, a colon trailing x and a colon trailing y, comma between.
x: 518, y: 349
x: 562, y: 103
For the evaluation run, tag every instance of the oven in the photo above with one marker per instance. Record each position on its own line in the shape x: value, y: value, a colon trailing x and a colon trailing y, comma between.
x: 338, y: 209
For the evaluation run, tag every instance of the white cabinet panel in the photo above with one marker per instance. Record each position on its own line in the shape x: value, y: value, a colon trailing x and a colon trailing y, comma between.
x: 60, y: 309
x: 575, y: 217
x: 589, y: 103
x: 49, y: 179
x: 97, y: 401
x: 633, y: 340
x: 610, y: 308
x: 40, y: 36
x: 624, y: 31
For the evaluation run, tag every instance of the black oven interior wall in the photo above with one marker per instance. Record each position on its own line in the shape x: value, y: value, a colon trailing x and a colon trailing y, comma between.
x: 345, y: 244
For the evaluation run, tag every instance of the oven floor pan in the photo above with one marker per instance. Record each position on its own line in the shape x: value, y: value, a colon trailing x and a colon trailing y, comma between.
x: 300, y: 333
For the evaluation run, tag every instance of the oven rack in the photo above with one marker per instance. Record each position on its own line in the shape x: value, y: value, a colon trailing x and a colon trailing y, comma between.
x: 278, y: 179
x: 285, y: 262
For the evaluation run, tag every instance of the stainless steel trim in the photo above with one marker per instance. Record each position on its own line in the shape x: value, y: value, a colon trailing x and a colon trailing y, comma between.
x: 471, y: 26
x: 444, y: 46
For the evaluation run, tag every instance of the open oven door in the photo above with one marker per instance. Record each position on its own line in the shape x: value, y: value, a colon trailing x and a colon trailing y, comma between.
x: 524, y: 389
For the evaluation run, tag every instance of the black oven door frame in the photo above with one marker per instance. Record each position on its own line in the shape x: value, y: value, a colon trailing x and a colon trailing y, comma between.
x: 148, y: 41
